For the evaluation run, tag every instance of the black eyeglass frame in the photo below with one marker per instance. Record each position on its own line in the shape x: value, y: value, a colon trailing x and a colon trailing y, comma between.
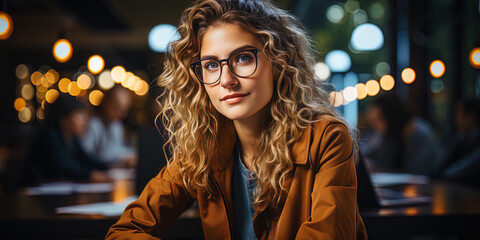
x: 254, y: 51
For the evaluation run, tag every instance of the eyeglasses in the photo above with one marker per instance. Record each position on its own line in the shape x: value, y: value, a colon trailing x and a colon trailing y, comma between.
x: 242, y: 63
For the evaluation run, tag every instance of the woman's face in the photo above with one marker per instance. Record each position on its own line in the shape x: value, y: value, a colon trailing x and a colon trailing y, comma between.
x: 237, y: 98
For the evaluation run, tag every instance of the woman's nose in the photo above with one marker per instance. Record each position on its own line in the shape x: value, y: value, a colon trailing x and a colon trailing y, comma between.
x: 228, y: 79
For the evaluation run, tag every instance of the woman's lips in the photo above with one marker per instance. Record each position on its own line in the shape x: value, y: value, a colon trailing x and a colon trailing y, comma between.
x: 234, y: 98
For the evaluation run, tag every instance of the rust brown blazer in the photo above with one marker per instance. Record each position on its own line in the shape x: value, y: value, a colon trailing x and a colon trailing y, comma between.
x: 321, y: 202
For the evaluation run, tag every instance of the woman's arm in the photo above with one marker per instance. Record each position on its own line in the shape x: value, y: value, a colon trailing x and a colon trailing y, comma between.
x: 334, y: 213
x: 161, y: 202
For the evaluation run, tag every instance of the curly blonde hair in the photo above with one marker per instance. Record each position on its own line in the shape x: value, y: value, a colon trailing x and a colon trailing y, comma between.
x: 192, y: 121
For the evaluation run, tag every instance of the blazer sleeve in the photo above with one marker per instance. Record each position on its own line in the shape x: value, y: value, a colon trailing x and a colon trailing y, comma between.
x: 161, y: 202
x: 334, y: 212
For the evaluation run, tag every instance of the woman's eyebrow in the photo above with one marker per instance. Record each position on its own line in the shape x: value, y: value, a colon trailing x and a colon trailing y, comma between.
x: 231, y: 52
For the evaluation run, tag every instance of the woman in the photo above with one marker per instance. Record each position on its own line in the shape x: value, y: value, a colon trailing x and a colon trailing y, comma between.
x: 254, y: 141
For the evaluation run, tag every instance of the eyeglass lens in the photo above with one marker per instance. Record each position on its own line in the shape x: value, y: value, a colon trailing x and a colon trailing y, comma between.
x: 242, y: 64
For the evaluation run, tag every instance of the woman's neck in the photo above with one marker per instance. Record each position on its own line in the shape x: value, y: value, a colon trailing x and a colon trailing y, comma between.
x: 248, y: 131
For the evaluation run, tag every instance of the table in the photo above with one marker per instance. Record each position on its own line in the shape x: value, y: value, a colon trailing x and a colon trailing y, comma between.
x: 455, y: 210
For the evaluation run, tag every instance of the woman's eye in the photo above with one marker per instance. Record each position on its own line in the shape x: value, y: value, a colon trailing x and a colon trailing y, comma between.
x: 244, y: 58
x: 211, y: 65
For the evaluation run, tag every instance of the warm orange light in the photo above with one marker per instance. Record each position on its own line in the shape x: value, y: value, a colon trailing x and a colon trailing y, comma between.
x: 387, y: 82
x: 62, y: 50
x: 73, y: 88
x: 130, y: 82
x: 361, y: 91
x: 52, y: 76
x: 437, y: 69
x: 95, y: 97
x: 36, y: 78
x: 63, y: 85
x: 372, y: 87
x: 19, y: 104
x: 96, y: 64
x: 140, y: 87
x: 118, y: 74
x: 474, y: 57
x: 51, y: 95
x: 6, y: 26
x: 408, y: 75
x: 84, y: 81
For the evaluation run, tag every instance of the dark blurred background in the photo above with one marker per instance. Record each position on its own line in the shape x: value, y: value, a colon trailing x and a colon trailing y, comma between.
x: 424, y: 53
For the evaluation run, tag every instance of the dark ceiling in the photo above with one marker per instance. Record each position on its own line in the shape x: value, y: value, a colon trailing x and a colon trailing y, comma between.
x: 92, y: 24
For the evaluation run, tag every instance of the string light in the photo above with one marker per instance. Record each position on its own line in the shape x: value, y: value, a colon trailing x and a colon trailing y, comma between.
x: 62, y: 50
x: 96, y: 64
x: 408, y: 75
x: 437, y: 69
x: 6, y: 26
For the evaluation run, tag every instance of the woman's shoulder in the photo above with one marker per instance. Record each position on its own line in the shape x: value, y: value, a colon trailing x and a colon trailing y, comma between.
x: 328, y: 124
x: 330, y: 140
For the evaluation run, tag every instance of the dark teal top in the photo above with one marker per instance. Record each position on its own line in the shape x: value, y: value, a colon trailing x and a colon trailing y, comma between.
x: 243, y: 188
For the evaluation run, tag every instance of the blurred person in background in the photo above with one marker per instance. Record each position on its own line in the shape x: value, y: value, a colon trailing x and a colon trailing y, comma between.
x: 462, y: 162
x: 58, y: 153
x: 400, y: 141
x: 105, y: 136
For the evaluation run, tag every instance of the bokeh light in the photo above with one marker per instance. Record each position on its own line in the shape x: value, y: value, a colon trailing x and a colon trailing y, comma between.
x: 141, y: 87
x: 382, y: 68
x: 338, y: 61
x: 129, y: 81
x: 352, y: 6
x: 372, y: 87
x: 437, y: 69
x: 6, y: 26
x: 51, y: 95
x: 322, y: 71
x: 377, y: 10
x: 85, y: 81
x: 408, y: 75
x: 21, y: 71
x: 436, y: 85
x: 28, y: 92
x: 96, y: 64
x: 19, y: 104
x: 474, y: 58
x: 161, y: 35
x: 361, y: 91
x: 367, y: 37
x: 52, y: 76
x: 73, y: 89
x: 36, y: 78
x: 335, y: 14
x: 25, y: 115
x: 387, y: 82
x: 336, y: 98
x: 118, y: 74
x: 105, y: 80
x: 62, y: 50
x: 349, y: 94
x: 359, y: 17
x: 95, y: 97
x: 63, y: 85
x: 40, y: 113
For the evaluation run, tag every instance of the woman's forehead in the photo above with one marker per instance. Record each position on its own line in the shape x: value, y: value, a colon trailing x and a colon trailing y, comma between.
x: 221, y: 39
